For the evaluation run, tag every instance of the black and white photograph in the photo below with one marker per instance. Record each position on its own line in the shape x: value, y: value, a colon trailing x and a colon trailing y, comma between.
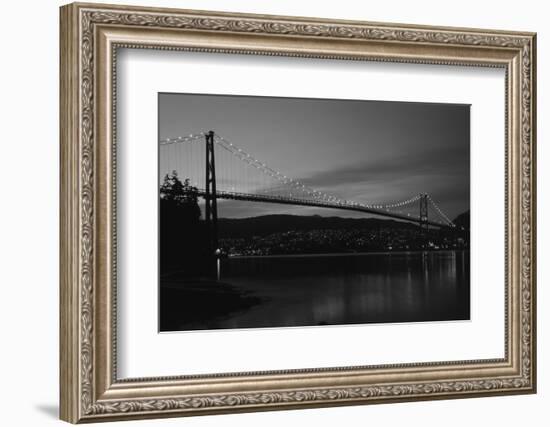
x: 297, y: 212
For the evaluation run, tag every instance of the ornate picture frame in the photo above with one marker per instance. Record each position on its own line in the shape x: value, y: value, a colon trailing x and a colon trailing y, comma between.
x: 90, y: 37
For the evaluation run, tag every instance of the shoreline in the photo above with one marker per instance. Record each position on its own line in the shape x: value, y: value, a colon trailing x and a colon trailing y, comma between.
x: 343, y: 254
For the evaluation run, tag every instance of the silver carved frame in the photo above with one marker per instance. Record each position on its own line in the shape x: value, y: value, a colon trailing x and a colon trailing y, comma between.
x: 90, y: 36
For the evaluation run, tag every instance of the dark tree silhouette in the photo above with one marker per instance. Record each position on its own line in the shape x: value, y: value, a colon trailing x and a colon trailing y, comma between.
x: 182, y: 195
x: 181, y: 246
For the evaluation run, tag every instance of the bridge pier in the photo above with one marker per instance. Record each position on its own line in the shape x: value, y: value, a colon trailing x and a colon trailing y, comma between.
x: 211, y: 207
x: 424, y: 224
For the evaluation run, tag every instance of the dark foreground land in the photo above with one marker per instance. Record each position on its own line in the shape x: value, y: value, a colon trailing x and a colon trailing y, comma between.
x: 200, y: 304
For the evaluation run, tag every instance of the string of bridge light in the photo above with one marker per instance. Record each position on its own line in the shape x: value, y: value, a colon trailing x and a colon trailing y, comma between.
x: 180, y: 139
x: 249, y: 159
x: 397, y: 204
x: 440, y: 212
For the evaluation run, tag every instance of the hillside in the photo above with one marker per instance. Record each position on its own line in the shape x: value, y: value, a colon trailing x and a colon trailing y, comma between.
x: 269, y: 224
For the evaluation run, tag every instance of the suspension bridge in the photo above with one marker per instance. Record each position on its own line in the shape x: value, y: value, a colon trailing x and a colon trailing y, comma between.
x: 231, y: 173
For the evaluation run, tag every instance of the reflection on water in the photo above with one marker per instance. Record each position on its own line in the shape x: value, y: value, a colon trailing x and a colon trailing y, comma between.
x: 336, y: 289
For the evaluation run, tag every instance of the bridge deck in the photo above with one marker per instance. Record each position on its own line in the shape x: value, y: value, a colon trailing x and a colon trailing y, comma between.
x: 318, y: 203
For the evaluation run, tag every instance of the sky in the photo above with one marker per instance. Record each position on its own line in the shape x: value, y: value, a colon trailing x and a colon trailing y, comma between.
x: 364, y: 151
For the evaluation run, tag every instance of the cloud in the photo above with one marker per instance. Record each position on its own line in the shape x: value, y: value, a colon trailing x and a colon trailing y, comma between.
x: 437, y: 163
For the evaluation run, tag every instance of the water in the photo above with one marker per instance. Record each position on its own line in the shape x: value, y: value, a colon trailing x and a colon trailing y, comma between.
x: 322, y: 290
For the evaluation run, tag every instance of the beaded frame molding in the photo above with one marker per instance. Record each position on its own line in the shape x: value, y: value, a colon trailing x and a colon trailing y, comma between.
x: 90, y: 37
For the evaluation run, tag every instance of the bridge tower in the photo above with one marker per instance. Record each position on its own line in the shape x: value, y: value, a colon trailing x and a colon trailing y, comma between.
x: 424, y: 216
x: 211, y: 207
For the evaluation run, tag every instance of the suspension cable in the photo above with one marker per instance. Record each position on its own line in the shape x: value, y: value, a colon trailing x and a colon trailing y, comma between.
x: 440, y: 212
x: 285, y: 180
